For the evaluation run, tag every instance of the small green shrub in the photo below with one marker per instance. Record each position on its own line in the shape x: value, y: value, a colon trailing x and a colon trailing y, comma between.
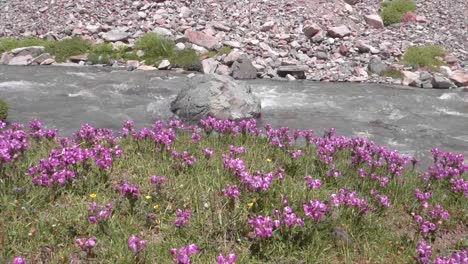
x: 393, y: 11
x: 156, y: 48
x: 424, y: 56
x: 64, y: 49
x: 186, y: 59
x: 211, y: 54
x: 8, y: 44
x: 395, y: 74
x: 101, y: 54
x: 3, y: 110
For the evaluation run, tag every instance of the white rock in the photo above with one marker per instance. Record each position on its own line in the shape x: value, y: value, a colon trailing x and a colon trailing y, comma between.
x: 162, y: 31
x: 164, y: 65
x: 180, y: 46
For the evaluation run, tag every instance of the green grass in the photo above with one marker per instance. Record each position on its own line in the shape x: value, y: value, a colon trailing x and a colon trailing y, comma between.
x: 424, y: 56
x: 101, y: 54
x: 64, y: 49
x: 393, y: 11
x: 7, y: 44
x: 3, y: 110
x: 396, y: 74
x: 186, y: 59
x: 155, y: 47
x: 38, y: 222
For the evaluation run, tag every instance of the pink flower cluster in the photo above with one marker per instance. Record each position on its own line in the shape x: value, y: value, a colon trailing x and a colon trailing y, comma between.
x: 229, y: 259
x: 446, y: 165
x: 184, y: 160
x: 423, y: 253
x: 422, y: 197
x: 182, y: 218
x: 98, y: 214
x: 136, y: 244
x: 315, y: 210
x: 130, y: 191
x: 157, y: 181
x: 382, y: 200
x: 86, y: 244
x: 230, y: 191
x: 349, y: 198
x: 13, y: 143
x: 182, y: 255
x: 208, y: 153
x: 262, y: 225
x: 312, y: 183
x: 37, y: 132
x: 287, y: 217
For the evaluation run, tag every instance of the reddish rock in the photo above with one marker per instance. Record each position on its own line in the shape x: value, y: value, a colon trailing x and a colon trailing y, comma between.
x: 21, y: 60
x: 48, y: 62
x: 78, y: 58
x: 201, y: 39
x: 267, y: 26
x: 450, y: 59
x: 146, y: 68
x: 408, y: 18
x: 339, y: 32
x: 374, y: 21
x: 344, y: 50
x: 6, y: 57
x: 460, y: 78
x: 311, y: 30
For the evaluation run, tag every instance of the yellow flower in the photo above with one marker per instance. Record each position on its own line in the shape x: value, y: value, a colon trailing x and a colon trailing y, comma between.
x: 268, y: 160
x: 156, y: 207
x: 93, y: 196
x: 147, y: 197
x: 250, y: 204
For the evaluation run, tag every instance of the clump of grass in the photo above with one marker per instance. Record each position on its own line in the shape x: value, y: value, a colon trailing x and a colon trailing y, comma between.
x: 101, y: 54
x: 64, y: 49
x: 7, y: 44
x: 396, y: 74
x: 211, y: 54
x: 393, y: 11
x: 155, y: 47
x: 186, y: 59
x: 424, y: 56
x: 3, y: 109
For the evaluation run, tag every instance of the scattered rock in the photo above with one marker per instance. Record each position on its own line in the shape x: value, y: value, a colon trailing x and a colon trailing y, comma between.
x: 115, y: 35
x: 223, y: 70
x: 48, y: 62
x: 232, y: 57
x: 409, y: 77
x: 424, y: 80
x: 209, y: 65
x: 319, y: 37
x: 21, y: 60
x: 298, y: 71
x: 339, y: 32
x: 351, y: 2
x: 233, y: 44
x: 201, y: 39
x: 180, y: 46
x: 34, y: 51
x: 376, y: 65
x: 164, y: 65
x: 146, y: 68
x: 460, y: 78
x: 221, y: 27
x: 218, y: 96
x: 163, y: 32
x: 267, y: 26
x: 242, y: 69
x: 311, y: 30
x: 41, y: 58
x: 441, y: 82
x: 374, y: 21
x: 78, y: 58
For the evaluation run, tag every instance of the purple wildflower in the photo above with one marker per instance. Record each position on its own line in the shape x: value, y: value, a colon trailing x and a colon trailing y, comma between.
x: 315, y: 210
x: 182, y: 255
x: 182, y: 217
x: 312, y: 183
x: 136, y: 244
x: 229, y: 259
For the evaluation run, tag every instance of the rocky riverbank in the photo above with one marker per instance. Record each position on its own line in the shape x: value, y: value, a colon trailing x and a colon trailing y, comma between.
x: 339, y: 40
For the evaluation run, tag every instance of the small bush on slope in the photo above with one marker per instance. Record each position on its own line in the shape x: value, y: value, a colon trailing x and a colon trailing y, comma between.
x: 424, y: 56
x: 393, y: 11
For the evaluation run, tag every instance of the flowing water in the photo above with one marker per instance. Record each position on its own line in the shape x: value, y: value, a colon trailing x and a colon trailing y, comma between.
x: 407, y: 119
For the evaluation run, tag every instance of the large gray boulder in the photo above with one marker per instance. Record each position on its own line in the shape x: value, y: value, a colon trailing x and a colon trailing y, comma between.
x: 217, y: 96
